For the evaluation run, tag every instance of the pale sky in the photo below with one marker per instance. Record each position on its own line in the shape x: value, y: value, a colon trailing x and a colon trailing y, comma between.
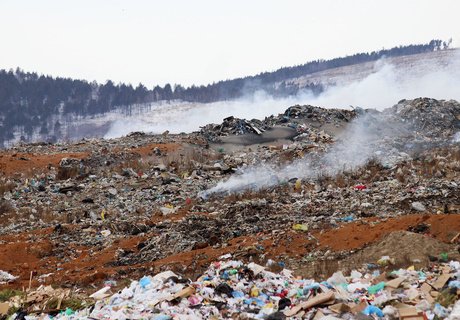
x: 201, y: 41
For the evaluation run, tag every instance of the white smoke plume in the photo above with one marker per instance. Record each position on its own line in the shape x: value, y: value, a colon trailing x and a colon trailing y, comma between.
x: 189, y: 117
x: 389, y: 83
x: 355, y: 146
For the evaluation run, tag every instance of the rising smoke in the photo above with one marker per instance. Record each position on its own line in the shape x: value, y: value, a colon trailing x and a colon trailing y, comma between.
x: 389, y: 84
x: 355, y: 146
x: 380, y: 89
x: 359, y: 143
x: 363, y: 138
x: 188, y: 117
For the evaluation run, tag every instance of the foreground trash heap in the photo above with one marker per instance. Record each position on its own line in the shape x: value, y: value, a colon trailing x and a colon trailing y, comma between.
x: 230, y: 289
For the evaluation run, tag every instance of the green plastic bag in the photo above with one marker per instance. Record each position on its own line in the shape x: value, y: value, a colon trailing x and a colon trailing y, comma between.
x: 376, y: 288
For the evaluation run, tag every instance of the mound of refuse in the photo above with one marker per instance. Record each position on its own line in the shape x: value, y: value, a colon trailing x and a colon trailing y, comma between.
x: 311, y: 189
x: 301, y: 118
x: 422, y: 117
x: 429, y: 117
x: 230, y: 289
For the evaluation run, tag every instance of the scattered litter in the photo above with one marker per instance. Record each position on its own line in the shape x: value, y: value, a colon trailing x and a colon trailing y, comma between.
x: 6, y: 277
x: 232, y: 287
x: 137, y: 199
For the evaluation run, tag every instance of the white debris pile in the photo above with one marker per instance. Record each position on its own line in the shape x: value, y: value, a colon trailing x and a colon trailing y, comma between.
x: 232, y: 289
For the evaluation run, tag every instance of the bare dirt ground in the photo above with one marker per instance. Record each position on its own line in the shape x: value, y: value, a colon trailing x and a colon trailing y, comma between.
x: 33, y: 251
x: 12, y: 163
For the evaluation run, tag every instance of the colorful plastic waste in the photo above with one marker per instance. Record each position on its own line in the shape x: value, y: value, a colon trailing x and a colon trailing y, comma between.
x: 254, y: 292
x: 371, y: 310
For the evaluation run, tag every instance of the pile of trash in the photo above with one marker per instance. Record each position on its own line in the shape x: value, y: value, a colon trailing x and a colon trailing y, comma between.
x: 233, y: 126
x: 429, y: 117
x: 231, y: 289
x: 320, y: 115
x: 425, y: 118
x: 137, y: 200
x: 297, y: 117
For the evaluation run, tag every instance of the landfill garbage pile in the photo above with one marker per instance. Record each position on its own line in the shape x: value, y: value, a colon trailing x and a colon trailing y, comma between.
x: 315, y: 114
x: 297, y: 117
x: 429, y: 117
x: 232, y: 289
x: 106, y: 211
x: 425, y: 117
x: 381, y: 137
x: 232, y: 125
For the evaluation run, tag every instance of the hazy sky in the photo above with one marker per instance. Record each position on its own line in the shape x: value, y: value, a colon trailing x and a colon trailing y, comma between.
x: 200, y: 41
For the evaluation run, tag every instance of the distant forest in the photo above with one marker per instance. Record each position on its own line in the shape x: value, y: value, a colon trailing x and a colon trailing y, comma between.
x: 29, y: 102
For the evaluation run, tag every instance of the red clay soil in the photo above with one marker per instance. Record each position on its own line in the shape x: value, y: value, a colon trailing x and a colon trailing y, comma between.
x: 87, y: 266
x: 30, y: 163
x: 357, y: 234
x: 12, y: 163
x: 20, y: 257
x: 147, y: 150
